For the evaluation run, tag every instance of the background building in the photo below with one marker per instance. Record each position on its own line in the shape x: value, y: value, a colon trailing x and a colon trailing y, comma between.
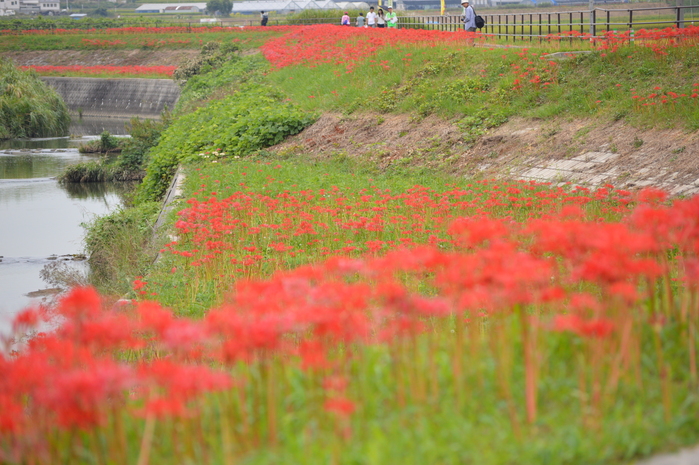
x: 171, y: 8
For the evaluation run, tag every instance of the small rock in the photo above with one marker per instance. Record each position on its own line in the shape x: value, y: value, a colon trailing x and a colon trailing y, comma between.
x: 44, y: 292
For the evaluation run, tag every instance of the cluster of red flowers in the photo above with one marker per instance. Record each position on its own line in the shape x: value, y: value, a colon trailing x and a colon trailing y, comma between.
x: 534, y: 69
x: 103, y: 43
x: 314, y: 45
x: 235, y: 233
x: 497, y: 265
x: 664, y: 97
x: 104, y: 69
x: 461, y: 257
x: 657, y: 39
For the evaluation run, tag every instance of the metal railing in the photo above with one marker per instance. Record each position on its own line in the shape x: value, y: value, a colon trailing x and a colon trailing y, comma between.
x: 538, y: 25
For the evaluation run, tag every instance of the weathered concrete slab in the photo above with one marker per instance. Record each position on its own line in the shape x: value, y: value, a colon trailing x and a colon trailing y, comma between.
x: 121, y: 98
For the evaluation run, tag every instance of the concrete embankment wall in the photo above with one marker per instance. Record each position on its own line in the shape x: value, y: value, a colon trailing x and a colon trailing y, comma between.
x: 122, y: 98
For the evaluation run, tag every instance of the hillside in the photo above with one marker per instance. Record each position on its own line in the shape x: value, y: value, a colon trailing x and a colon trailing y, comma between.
x: 523, y: 148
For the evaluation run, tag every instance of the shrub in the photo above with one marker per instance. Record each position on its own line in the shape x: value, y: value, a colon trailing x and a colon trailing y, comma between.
x: 211, y: 56
x: 144, y: 135
x: 256, y: 117
x: 117, y: 246
x: 91, y: 171
x: 28, y: 107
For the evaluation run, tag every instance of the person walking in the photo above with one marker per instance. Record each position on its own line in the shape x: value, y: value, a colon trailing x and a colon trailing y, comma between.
x: 380, y: 19
x: 371, y: 18
x: 360, y: 20
x: 263, y: 18
x: 345, y: 20
x: 469, y: 17
x: 392, y: 18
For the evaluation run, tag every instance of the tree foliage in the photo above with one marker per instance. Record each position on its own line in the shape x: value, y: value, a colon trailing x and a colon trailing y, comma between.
x: 222, y: 7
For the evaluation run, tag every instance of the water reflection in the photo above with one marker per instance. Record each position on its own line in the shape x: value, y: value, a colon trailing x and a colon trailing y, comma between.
x: 15, y: 164
x: 99, y: 190
x: 90, y: 126
x: 40, y: 217
x: 47, y: 143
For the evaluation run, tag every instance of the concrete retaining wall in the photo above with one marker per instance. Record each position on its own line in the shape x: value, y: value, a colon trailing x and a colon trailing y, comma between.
x: 122, y: 98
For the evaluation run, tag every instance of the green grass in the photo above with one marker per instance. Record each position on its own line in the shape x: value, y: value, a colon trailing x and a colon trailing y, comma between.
x: 166, y: 41
x: 453, y: 82
x: 472, y: 87
x: 411, y: 406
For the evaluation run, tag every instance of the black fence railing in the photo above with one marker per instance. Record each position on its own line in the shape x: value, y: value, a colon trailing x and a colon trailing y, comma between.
x: 585, y: 22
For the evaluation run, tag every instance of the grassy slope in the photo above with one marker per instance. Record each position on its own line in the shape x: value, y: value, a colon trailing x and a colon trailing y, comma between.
x: 477, y: 87
x: 448, y: 80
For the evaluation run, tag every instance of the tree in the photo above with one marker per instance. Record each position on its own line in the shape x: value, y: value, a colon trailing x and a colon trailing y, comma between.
x: 219, y: 7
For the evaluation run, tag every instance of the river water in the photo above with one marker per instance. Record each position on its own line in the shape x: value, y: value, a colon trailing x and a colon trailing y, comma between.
x: 40, y: 219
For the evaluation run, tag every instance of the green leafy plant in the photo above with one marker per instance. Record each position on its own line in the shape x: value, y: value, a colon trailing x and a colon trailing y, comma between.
x: 254, y: 118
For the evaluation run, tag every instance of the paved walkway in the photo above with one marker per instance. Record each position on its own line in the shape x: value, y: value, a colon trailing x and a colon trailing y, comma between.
x: 597, y: 168
x: 684, y: 457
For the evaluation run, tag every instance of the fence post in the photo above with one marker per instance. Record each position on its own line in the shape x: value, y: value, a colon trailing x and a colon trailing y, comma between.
x: 680, y: 14
x: 592, y: 18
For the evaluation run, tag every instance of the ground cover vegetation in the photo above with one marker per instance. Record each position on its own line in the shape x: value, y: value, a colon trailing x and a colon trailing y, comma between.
x: 323, y: 311
x: 123, y: 159
x: 130, y: 38
x: 28, y: 107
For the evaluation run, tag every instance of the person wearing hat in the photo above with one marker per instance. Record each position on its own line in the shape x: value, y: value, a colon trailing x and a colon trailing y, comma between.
x: 392, y: 18
x: 469, y: 17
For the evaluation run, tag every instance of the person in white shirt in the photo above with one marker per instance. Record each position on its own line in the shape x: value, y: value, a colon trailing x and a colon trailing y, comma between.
x: 380, y: 19
x: 469, y: 17
x: 371, y: 18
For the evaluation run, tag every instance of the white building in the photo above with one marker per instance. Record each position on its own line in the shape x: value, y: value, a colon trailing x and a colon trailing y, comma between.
x: 283, y: 6
x: 353, y: 5
x: 171, y: 8
x: 44, y: 7
x: 9, y: 7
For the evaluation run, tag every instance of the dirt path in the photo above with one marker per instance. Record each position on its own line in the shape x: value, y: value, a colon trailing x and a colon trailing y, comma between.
x: 584, y: 152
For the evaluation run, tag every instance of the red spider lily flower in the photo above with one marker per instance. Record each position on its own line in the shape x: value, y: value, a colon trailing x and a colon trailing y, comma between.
x: 341, y: 406
x: 475, y: 231
x: 80, y: 302
x: 313, y: 356
x: 595, y: 328
x: 652, y: 196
